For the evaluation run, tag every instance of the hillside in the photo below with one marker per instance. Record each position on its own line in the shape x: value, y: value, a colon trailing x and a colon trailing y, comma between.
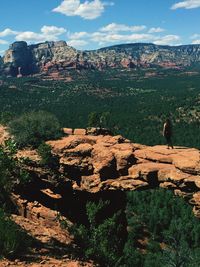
x: 57, y: 58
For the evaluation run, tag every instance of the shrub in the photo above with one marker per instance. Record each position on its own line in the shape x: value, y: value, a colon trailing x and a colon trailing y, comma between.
x: 93, y: 119
x: 99, y: 119
x: 47, y: 159
x: 34, y: 127
x: 6, y: 117
x: 11, y: 173
x: 12, y: 239
x: 101, y: 242
x: 44, y: 150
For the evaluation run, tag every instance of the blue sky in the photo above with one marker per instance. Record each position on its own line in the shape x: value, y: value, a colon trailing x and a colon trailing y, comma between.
x: 91, y: 24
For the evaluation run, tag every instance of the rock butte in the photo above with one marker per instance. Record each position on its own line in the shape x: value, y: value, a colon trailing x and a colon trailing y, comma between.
x: 55, y: 59
x: 92, y: 164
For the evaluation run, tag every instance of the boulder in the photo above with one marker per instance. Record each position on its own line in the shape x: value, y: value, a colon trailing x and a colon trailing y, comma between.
x: 104, y: 162
x: 98, y: 131
x: 80, y: 132
x: 68, y: 131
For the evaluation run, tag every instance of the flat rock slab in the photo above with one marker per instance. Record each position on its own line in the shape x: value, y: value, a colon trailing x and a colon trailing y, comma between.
x: 185, y: 159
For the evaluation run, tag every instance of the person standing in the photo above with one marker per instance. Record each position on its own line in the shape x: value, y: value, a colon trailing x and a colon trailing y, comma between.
x: 167, y: 133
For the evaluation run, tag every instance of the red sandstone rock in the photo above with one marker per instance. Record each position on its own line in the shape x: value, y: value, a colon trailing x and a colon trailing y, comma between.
x: 147, y: 170
x: 124, y: 183
x: 28, y: 154
x: 4, y: 135
x: 103, y: 161
x: 80, y: 131
x: 90, y: 183
x: 68, y: 131
x: 168, y: 185
x: 96, y: 163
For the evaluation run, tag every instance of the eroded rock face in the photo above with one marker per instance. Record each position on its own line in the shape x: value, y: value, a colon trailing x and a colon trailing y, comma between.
x: 113, y: 163
x: 18, y: 59
x: 55, y: 58
x: 98, y: 163
x: 94, y: 163
x: 112, y: 157
x: 93, y: 167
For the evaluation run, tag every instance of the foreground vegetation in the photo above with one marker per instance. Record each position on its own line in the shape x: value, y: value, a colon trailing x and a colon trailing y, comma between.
x: 33, y: 128
x: 13, y: 240
x: 136, y: 103
x: 162, y: 231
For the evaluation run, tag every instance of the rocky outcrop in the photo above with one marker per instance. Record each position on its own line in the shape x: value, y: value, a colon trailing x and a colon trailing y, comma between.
x: 18, y: 59
x: 112, y: 163
x: 102, y: 163
x: 92, y: 163
x: 93, y: 167
x: 56, y: 58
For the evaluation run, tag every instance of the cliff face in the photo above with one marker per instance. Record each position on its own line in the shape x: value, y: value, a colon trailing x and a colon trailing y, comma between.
x: 91, y: 165
x: 58, y: 57
x: 18, y: 59
x: 94, y: 162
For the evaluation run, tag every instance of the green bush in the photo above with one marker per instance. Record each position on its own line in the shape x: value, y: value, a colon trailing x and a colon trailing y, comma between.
x: 47, y: 159
x: 35, y: 127
x: 44, y: 150
x: 100, y: 241
x: 6, y: 117
x: 94, y: 119
x: 11, y: 173
x: 12, y: 239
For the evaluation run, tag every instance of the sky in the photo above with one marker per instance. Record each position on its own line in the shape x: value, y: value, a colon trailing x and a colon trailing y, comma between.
x: 92, y: 24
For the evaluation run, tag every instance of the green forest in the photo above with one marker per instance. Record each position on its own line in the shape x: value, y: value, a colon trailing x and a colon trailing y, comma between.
x: 137, y: 103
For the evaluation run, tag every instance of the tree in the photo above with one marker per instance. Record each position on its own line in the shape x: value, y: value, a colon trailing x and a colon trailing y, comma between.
x: 101, y: 241
x: 35, y: 127
x: 104, y: 119
x: 93, y: 119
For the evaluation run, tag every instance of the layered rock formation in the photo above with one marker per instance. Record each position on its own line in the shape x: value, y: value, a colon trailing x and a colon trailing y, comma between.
x: 93, y: 165
x: 57, y: 57
x: 93, y: 161
x: 103, y: 163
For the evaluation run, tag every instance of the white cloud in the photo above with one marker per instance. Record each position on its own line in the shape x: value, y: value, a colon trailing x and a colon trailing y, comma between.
x: 103, y: 38
x: 168, y: 40
x: 68, y: 7
x: 114, y: 27
x: 78, y: 35
x: 156, y: 30
x: 3, y: 42
x: 195, y: 36
x: 187, y: 4
x: 196, y: 42
x: 30, y: 37
x: 87, y: 10
x: 8, y: 32
x: 77, y: 43
x: 48, y: 33
x: 107, y: 36
x: 52, y: 30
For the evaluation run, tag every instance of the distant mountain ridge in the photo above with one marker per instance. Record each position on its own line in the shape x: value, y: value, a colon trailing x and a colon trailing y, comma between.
x: 58, y: 57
